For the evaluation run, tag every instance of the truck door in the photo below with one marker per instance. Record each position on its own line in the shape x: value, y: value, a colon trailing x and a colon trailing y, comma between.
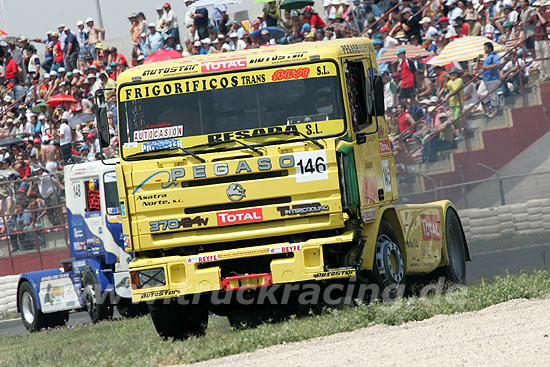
x: 372, y: 154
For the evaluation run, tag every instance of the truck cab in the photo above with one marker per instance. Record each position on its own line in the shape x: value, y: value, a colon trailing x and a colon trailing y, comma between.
x: 95, y: 278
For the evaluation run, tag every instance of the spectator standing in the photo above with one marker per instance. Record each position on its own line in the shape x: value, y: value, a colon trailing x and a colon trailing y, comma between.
x: 271, y: 14
x: 219, y: 16
x: 200, y: 22
x: 46, y: 188
x: 71, y: 49
x: 540, y: 19
x: 95, y: 36
x: 65, y: 141
x: 58, y: 59
x: 407, y: 75
x: 490, y: 80
x: 528, y: 28
x: 10, y: 71
x: 454, y: 87
x: 188, y: 21
x: 170, y: 21
x: 411, y: 24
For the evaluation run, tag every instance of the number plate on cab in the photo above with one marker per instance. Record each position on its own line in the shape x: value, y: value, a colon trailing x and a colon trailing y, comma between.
x: 311, y: 166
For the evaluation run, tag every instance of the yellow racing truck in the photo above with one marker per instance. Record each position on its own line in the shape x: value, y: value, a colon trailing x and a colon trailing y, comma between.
x: 266, y: 169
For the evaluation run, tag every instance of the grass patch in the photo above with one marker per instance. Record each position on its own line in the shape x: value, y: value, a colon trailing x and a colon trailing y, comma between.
x: 8, y: 315
x: 135, y: 342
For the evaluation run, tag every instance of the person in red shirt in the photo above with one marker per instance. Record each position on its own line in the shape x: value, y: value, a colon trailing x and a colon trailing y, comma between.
x: 311, y: 17
x: 114, y: 56
x: 407, y: 75
x: 404, y: 120
x: 58, y: 59
x: 10, y: 71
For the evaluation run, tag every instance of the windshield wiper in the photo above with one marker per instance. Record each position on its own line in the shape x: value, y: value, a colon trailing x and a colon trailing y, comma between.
x: 167, y: 149
x: 214, y: 143
x: 295, y: 132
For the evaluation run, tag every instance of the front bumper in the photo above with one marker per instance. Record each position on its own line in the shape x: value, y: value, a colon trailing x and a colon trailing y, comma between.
x: 183, y: 276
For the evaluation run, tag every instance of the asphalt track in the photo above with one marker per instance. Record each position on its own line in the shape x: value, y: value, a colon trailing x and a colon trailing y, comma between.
x: 484, y: 265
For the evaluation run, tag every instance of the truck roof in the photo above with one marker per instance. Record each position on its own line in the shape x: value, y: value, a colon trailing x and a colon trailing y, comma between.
x: 263, y: 56
x: 87, y: 169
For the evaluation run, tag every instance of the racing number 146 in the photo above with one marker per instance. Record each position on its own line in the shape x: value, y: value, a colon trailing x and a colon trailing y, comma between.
x: 308, y: 166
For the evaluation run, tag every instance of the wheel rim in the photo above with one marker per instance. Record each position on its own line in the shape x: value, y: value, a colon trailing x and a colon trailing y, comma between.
x: 455, y: 255
x: 89, y: 297
x: 28, y: 308
x: 390, y: 263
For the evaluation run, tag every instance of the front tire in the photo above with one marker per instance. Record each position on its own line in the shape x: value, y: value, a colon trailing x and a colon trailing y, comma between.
x: 96, y: 303
x: 173, y: 320
x: 128, y: 309
x: 33, y: 318
x: 455, y: 271
x: 389, y: 265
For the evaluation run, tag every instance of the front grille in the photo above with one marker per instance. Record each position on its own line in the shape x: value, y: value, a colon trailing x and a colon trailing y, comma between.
x: 239, y: 178
x: 239, y: 205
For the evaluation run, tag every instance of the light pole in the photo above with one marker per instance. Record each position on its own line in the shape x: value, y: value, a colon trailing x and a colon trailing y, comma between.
x: 99, y: 17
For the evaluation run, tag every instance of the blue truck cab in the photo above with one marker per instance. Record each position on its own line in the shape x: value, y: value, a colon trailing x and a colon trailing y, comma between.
x: 95, y: 278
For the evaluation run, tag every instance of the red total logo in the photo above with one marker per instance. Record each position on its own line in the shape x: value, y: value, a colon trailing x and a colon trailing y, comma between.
x: 220, y: 65
x: 385, y: 146
x: 240, y: 216
x: 430, y: 227
x: 290, y: 74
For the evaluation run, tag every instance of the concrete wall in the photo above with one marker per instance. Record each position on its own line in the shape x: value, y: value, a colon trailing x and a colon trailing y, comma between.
x: 8, y: 293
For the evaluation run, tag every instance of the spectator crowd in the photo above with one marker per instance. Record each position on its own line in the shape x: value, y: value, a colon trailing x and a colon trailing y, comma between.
x: 47, y: 103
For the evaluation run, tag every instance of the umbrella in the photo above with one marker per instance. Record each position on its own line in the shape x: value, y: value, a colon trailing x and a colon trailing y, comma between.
x: 410, y: 51
x: 162, y: 55
x: 13, y: 40
x: 262, y: 1
x: 204, y: 3
x: 37, y: 107
x: 463, y: 49
x: 9, y: 141
x: 60, y: 99
x: 274, y: 32
x: 428, y: 60
x: 294, y: 4
x: 81, y: 118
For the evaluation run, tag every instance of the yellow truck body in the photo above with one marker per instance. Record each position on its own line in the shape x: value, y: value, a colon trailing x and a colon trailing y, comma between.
x: 266, y: 166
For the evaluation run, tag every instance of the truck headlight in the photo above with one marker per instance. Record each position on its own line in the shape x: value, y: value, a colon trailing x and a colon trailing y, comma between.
x: 148, y: 278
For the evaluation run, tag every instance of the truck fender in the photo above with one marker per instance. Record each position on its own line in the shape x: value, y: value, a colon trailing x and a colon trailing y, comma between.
x: 33, y: 278
x: 370, y: 231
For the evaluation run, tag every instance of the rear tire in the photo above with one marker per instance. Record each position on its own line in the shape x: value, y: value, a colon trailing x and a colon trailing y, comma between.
x: 96, y: 303
x: 455, y: 271
x: 388, y: 270
x: 173, y: 320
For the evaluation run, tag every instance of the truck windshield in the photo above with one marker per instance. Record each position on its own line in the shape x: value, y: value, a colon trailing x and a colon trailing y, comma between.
x: 262, y: 104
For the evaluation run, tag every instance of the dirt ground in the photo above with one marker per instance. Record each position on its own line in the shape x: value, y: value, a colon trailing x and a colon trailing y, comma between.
x: 514, y: 333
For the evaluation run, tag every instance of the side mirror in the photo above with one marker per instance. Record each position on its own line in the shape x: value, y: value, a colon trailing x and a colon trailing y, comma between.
x: 375, y: 95
x: 103, y: 127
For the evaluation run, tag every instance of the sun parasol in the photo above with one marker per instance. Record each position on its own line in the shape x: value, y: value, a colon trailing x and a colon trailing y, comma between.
x: 37, y: 108
x: 60, y: 99
x: 411, y: 52
x: 162, y: 55
x: 463, y: 49
x: 81, y: 118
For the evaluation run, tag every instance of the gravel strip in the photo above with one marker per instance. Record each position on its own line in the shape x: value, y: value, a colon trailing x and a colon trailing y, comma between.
x: 514, y: 333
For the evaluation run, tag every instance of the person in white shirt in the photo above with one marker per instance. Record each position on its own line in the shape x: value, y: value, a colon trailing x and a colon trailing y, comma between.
x: 170, y: 22
x: 237, y: 44
x: 188, y: 33
x: 65, y: 141
x: 454, y: 11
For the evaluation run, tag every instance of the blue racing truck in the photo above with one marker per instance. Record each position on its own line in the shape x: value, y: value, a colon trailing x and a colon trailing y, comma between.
x: 96, y: 277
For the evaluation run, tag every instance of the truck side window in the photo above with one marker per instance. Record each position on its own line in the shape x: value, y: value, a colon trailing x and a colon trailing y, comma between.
x: 112, y: 202
x: 355, y: 85
x: 92, y: 196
